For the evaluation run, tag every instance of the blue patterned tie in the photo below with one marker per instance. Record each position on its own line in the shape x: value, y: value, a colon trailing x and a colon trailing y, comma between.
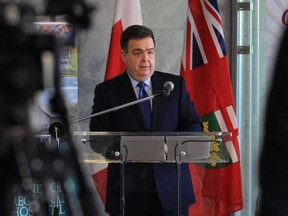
x: 145, y: 105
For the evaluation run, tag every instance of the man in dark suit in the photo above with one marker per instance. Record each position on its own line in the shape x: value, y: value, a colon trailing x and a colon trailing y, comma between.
x: 151, y: 189
x: 273, y: 169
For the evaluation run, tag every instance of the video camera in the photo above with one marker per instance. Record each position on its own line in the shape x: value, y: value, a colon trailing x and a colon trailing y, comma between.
x: 29, y: 64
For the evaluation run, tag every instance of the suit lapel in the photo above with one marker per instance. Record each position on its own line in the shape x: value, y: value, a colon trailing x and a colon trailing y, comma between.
x: 157, y: 84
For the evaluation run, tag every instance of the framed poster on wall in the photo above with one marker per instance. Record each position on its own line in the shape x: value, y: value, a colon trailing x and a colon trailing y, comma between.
x: 68, y: 66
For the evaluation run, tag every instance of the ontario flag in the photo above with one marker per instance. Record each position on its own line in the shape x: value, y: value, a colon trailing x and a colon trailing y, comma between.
x: 205, y: 68
x: 127, y: 12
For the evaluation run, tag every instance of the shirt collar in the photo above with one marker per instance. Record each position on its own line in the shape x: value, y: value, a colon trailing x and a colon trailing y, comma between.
x: 135, y: 82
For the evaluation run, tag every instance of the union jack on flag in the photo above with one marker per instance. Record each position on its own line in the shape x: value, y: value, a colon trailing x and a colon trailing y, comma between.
x: 197, y: 56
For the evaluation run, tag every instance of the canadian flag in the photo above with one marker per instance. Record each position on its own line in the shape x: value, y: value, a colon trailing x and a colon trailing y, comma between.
x: 127, y: 12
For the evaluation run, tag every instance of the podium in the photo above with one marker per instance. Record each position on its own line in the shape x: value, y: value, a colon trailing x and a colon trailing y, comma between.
x: 137, y: 149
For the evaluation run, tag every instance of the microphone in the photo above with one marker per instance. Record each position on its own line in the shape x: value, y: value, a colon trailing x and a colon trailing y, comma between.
x: 168, y: 87
x: 56, y: 129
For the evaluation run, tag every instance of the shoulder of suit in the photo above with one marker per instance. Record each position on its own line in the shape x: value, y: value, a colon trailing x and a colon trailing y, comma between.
x: 113, y: 80
x: 167, y: 76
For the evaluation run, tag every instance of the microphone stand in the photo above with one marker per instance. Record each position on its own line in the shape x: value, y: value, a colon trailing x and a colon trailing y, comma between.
x: 56, y: 207
x: 56, y: 130
x: 120, y: 107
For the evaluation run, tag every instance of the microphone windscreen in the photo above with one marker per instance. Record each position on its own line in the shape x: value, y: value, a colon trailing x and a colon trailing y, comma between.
x: 168, y: 87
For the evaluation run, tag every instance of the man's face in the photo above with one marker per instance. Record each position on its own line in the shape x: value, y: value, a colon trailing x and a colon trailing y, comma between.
x: 140, y: 58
